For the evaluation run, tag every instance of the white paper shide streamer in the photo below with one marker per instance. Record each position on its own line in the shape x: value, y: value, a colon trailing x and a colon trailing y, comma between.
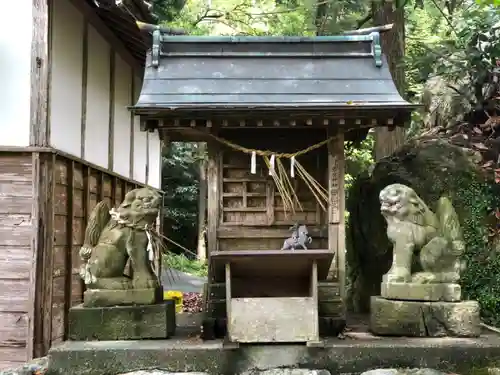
x: 292, y: 167
x: 151, y: 253
x: 271, y: 165
x: 253, y: 163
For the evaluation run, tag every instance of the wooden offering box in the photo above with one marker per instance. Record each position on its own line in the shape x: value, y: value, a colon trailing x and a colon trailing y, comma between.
x: 271, y: 296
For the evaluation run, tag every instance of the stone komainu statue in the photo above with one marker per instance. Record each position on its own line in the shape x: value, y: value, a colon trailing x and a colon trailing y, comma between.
x: 117, y: 237
x: 414, y: 229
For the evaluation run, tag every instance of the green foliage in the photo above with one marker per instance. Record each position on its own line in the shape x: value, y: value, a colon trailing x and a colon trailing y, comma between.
x: 481, y: 281
x: 180, y: 184
x: 359, y: 160
x: 167, y: 10
x: 462, y: 48
x: 423, y: 32
x: 494, y: 3
x: 265, y: 17
x: 182, y: 263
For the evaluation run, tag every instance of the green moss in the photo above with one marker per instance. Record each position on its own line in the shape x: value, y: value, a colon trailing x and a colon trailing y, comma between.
x: 481, y: 279
x: 479, y: 371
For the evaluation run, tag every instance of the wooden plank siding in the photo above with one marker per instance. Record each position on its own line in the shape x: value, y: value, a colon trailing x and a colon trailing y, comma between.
x: 251, y: 213
x: 45, y: 200
x: 246, y: 212
x: 16, y: 256
x: 76, y: 190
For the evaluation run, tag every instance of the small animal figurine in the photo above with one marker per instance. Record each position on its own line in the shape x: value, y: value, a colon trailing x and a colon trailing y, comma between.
x: 300, y: 237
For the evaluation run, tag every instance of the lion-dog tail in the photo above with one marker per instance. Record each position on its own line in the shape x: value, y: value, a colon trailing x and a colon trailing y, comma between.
x: 97, y: 221
x: 450, y: 225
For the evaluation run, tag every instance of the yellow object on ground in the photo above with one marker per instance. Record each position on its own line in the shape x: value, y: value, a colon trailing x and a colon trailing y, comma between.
x: 176, y: 296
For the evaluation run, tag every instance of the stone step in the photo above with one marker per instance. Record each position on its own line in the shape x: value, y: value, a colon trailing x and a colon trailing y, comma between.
x: 277, y: 371
x: 216, y: 308
x: 333, y: 308
x: 338, y: 356
x: 331, y: 326
x: 328, y: 290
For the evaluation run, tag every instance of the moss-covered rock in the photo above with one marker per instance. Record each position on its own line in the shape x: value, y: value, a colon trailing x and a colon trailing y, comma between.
x: 433, y: 168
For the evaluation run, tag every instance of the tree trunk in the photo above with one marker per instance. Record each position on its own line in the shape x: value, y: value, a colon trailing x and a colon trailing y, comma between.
x: 385, y: 12
x: 202, y: 203
x: 320, y: 17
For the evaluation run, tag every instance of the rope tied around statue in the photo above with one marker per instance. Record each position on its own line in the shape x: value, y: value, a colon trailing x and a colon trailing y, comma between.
x: 153, y: 247
x: 115, y: 238
x: 279, y: 175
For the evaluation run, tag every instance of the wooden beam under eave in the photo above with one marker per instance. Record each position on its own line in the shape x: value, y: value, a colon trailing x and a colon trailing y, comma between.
x: 111, y: 117
x: 336, y: 208
x: 34, y: 341
x: 110, y: 37
x: 40, y: 67
x: 132, y: 130
x: 213, y: 200
x: 85, y: 65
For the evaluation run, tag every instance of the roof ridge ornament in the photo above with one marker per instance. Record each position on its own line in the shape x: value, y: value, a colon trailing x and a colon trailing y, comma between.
x: 376, y: 48
x: 155, y: 51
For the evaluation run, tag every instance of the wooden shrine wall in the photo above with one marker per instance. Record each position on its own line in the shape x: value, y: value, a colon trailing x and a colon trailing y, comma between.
x: 245, y: 212
x: 16, y: 257
x: 251, y: 214
x: 69, y: 190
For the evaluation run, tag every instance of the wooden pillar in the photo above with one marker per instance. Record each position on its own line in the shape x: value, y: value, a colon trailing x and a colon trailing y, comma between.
x: 39, y: 136
x: 70, y: 214
x: 85, y: 69
x: 40, y: 72
x: 111, y: 123
x: 336, y: 208
x: 213, y: 203
x: 132, y: 125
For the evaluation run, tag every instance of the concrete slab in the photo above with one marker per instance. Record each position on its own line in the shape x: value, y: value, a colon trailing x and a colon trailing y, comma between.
x: 352, y: 355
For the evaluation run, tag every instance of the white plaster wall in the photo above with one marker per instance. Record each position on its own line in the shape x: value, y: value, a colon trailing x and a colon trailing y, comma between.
x: 154, y: 178
x: 66, y: 78
x: 121, y: 132
x: 15, y: 69
x: 98, y: 97
x: 66, y: 101
x: 140, y: 142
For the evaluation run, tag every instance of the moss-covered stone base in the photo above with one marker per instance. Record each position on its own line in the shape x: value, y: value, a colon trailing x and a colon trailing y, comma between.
x: 122, y: 322
x: 122, y: 297
x: 424, y: 319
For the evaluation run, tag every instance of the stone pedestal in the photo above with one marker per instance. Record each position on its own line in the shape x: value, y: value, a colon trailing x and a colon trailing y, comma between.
x: 109, y: 297
x: 122, y: 322
x: 421, y: 292
x: 424, y: 318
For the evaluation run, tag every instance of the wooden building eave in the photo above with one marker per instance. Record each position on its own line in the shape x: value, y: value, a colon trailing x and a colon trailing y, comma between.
x: 346, y: 118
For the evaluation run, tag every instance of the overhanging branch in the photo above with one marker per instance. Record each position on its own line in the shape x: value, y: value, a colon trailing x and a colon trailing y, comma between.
x: 369, y: 30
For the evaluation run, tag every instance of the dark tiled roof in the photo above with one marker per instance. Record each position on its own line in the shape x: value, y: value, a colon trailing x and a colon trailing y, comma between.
x: 262, y: 73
